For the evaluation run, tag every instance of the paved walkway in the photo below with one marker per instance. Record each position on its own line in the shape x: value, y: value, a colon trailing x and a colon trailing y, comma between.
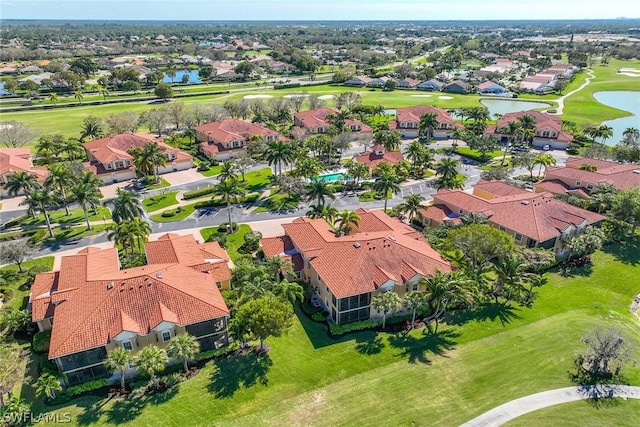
x: 510, y: 410
x: 560, y: 100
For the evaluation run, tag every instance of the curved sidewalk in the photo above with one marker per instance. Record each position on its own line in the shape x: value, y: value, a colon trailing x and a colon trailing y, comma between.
x: 515, y: 408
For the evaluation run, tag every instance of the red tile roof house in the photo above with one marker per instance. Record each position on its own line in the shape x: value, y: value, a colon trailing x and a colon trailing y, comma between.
x: 315, y: 121
x: 14, y: 160
x: 110, y: 161
x: 533, y: 219
x: 548, y: 130
x: 226, y: 138
x: 378, y: 155
x: 382, y: 254
x: 572, y: 179
x: 92, y: 306
x: 408, y: 120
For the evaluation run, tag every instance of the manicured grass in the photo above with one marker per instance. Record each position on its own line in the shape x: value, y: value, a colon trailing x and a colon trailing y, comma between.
x: 186, y: 211
x: 256, y: 180
x: 161, y: 201
x: 278, y: 202
x: 15, y: 284
x: 234, y: 240
x: 58, y: 216
x: 162, y: 183
x: 212, y: 171
x: 476, y: 155
x: 607, y: 413
x: 74, y: 233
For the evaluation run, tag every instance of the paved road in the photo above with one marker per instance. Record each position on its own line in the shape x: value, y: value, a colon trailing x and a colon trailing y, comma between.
x: 518, y: 407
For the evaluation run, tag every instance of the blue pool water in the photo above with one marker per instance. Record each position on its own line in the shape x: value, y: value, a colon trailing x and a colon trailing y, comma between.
x: 332, y: 177
x: 193, y: 77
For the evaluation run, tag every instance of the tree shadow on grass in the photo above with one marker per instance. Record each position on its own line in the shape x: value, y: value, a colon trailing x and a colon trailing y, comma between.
x: 91, y: 413
x: 626, y: 252
x: 369, y: 343
x: 505, y: 313
x: 416, y: 347
x: 318, y: 332
x: 128, y: 409
x: 233, y: 372
x: 600, y: 388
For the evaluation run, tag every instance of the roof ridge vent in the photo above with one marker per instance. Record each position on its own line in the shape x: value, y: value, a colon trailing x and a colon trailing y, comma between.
x: 110, y: 285
x: 159, y: 275
x: 524, y: 202
x: 356, y: 245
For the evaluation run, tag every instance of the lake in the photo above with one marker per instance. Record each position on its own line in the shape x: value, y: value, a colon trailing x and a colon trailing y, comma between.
x: 2, y: 91
x: 193, y: 77
x: 504, y: 106
x: 627, y: 100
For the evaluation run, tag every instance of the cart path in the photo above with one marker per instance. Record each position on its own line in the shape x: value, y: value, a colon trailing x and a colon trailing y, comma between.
x: 560, y: 100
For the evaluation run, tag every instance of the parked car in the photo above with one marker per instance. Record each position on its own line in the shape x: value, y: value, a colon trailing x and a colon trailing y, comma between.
x: 546, y: 147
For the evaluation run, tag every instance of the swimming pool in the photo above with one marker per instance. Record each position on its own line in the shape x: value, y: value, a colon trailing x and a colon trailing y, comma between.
x: 332, y: 177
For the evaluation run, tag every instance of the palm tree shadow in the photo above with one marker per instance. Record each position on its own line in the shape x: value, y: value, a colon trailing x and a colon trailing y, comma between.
x: 231, y: 373
x: 505, y: 313
x: 91, y: 413
x: 369, y: 345
x: 415, y: 348
x: 128, y: 409
x: 626, y: 252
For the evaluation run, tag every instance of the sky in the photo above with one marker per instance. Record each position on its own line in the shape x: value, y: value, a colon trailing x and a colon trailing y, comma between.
x: 216, y: 10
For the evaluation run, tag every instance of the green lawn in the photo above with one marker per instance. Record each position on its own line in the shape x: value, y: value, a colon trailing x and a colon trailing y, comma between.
x: 476, y: 155
x: 161, y: 201
x: 477, y: 361
x: 256, y: 180
x: 162, y: 183
x: 278, y: 202
x: 15, y: 285
x: 212, y: 171
x: 186, y: 211
x: 234, y: 240
x: 58, y: 216
x: 577, y: 414
x: 74, y: 233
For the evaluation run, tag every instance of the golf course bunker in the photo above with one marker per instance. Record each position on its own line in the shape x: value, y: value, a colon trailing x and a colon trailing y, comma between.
x: 422, y: 96
x: 326, y: 97
x: 630, y: 72
x: 445, y: 97
x: 257, y: 96
x: 296, y: 95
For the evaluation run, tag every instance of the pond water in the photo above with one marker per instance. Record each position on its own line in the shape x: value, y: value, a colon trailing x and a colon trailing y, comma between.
x: 504, y: 106
x: 2, y: 91
x: 193, y: 77
x: 627, y: 100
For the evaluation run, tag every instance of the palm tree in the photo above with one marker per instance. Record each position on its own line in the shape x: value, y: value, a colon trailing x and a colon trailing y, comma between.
x: 447, y: 172
x: 119, y: 360
x: 473, y: 218
x: 278, y: 152
x: 72, y: 148
x: 631, y: 132
x: 91, y: 127
x: 183, y: 347
x: 308, y: 167
x: 20, y: 182
x: 229, y: 190
x: 14, y: 320
x: 428, y: 123
x: 528, y: 124
x: 149, y: 158
x: 288, y: 291
x: 125, y: 206
x: 545, y: 160
x: 411, y: 205
x: 278, y: 267
x: 228, y: 170
x: 48, y: 385
x: 86, y: 193
x: 104, y: 92
x: 389, y: 139
x: 43, y: 198
x: 90, y: 180
x: 386, y: 302
x: 139, y: 230
x: 319, y: 190
x: 414, y: 301
x: 346, y: 221
x: 605, y: 132
x: 444, y: 290
x: 357, y: 171
x: 386, y: 182
x: 121, y: 235
x: 315, y: 211
x: 150, y: 360
x: 62, y: 177
x: 53, y: 97
x: 79, y: 96
x: 512, y: 129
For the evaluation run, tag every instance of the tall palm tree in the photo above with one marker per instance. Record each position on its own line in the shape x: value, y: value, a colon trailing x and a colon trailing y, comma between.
x: 386, y: 302
x: 411, y: 205
x: 288, y: 291
x: 86, y: 193
x: 90, y: 180
x: 149, y: 159
x: 125, y: 206
x: 416, y: 153
x: 444, y: 290
x: 48, y: 385
x: 447, y: 172
x: 61, y: 178
x: 414, y: 301
x: 385, y: 183
x: 545, y: 160
x: 43, y: 198
x: 121, y: 235
x: 315, y: 211
x: 151, y: 360
x: 631, y: 131
x: 139, y: 230
x: 357, y: 171
x: 228, y: 170
x: 183, y: 347
x: 229, y: 190
x: 528, y: 124
x: 512, y: 128
x: 53, y: 97
x: 79, y: 96
x: 346, y: 221
x: 119, y: 360
x: 319, y: 190
x: 605, y: 132
x: 428, y: 123
x: 20, y: 182
x: 389, y: 139
x: 104, y: 92
x: 72, y: 148
x: 277, y: 153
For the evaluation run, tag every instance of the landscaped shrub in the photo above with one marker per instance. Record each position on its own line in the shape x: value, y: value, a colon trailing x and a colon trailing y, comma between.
x: 92, y: 385
x: 218, y: 352
x: 40, y: 341
x: 39, y: 235
x: 45, y: 366
x: 194, y: 194
x: 169, y: 213
x: 319, y: 317
x: 222, y: 228
x: 352, y: 327
x: 286, y: 85
x: 472, y: 154
x: 368, y: 196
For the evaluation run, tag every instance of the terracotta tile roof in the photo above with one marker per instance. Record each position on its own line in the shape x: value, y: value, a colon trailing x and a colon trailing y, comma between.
x: 14, y: 160
x: 312, y: 119
x: 116, y: 147
x: 553, y: 186
x: 227, y: 130
x: 381, y: 249
x: 413, y: 114
x: 535, y: 215
x: 92, y: 301
x: 440, y: 213
x: 372, y: 159
x: 498, y: 188
x: 621, y: 176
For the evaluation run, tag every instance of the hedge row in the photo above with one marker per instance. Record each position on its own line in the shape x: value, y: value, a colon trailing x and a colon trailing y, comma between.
x: 352, y: 327
x: 194, y: 194
x: 251, y: 198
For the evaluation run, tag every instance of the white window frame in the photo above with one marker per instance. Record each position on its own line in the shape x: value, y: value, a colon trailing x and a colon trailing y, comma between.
x: 516, y: 237
x: 124, y: 345
x: 162, y: 335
